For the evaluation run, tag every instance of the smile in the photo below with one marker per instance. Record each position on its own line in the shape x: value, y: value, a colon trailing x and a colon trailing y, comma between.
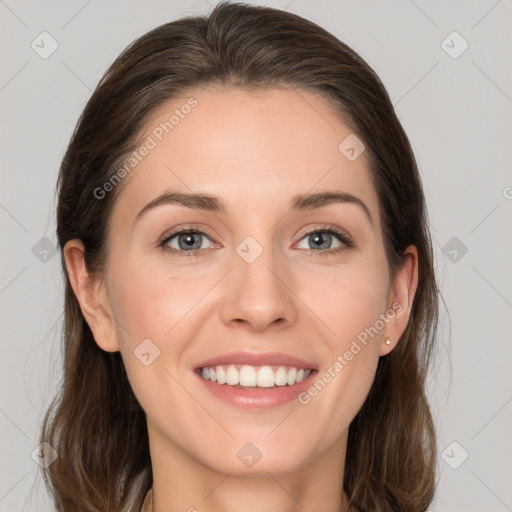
x: 247, y: 376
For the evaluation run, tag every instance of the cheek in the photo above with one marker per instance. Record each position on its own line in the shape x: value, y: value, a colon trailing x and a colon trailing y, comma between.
x: 156, y: 320
x: 347, y: 300
x: 151, y: 309
x: 338, y: 393
x: 151, y: 302
x: 349, y: 304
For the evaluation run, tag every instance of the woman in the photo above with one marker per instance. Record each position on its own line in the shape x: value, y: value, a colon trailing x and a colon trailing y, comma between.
x: 250, y: 297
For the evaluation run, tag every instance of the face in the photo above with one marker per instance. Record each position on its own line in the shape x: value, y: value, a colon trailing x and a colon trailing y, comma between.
x: 279, y: 274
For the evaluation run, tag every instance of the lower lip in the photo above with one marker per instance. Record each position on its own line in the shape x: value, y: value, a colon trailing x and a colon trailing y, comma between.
x: 262, y: 398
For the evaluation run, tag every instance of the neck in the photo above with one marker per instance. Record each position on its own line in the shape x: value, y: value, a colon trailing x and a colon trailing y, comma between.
x: 182, y: 483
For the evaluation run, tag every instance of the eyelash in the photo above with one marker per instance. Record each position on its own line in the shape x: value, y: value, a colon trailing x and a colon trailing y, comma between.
x: 343, y: 237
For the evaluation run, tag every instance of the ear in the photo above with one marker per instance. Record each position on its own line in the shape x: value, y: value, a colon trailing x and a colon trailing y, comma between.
x: 401, y: 298
x: 91, y: 293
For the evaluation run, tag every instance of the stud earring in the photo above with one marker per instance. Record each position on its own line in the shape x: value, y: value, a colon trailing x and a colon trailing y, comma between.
x: 388, y: 342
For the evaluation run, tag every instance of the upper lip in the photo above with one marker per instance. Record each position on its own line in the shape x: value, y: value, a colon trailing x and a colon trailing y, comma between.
x: 255, y: 359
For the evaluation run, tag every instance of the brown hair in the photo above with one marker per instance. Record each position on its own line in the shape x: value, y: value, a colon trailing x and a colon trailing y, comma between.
x: 95, y: 423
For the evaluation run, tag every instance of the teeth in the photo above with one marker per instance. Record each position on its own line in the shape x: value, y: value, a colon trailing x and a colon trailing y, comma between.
x: 255, y: 376
x: 247, y: 376
x: 266, y: 377
x: 221, y: 375
x: 292, y: 376
x: 232, y: 376
x: 281, y: 377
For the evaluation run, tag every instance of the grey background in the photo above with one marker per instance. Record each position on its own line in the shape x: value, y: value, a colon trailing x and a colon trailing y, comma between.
x: 457, y: 113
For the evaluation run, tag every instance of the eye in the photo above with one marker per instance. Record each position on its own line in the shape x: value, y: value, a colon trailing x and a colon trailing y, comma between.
x: 322, y: 240
x: 187, y: 240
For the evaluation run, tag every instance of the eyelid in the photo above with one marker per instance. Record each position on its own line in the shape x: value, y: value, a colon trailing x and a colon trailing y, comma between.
x: 178, y: 230
x: 343, y: 236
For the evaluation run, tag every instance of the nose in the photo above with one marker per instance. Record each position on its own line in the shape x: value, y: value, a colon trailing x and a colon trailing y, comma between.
x: 259, y: 295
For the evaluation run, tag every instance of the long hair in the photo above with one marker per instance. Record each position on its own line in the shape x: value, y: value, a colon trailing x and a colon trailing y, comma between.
x: 95, y: 422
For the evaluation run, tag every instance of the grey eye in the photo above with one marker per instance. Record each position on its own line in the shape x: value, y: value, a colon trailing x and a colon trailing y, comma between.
x: 319, y: 240
x: 190, y: 241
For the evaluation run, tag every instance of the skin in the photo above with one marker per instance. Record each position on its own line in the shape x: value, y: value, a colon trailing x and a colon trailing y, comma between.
x: 255, y: 151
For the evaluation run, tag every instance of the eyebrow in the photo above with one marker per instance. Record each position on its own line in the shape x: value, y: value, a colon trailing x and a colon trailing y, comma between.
x: 306, y: 201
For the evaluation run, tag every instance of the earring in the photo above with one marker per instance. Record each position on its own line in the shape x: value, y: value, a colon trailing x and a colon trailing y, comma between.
x: 388, y: 342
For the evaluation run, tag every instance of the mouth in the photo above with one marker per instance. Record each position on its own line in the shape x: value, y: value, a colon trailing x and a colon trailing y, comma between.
x: 254, y: 377
x: 255, y: 382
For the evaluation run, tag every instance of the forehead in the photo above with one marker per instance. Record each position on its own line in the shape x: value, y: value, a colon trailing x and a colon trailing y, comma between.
x: 250, y: 147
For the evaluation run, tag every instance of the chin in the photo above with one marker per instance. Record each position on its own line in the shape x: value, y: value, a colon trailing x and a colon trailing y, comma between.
x: 255, y: 460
